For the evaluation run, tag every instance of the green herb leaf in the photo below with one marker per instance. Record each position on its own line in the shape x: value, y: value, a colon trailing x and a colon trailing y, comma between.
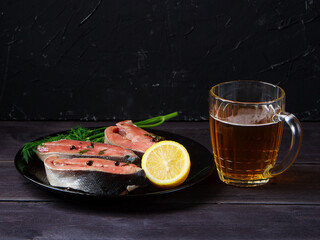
x: 102, y: 151
x: 91, y: 145
x: 84, y: 151
x: 155, y: 121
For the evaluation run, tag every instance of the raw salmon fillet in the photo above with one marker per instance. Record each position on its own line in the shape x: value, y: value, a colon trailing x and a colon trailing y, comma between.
x: 66, y: 148
x: 94, y: 175
x: 127, y: 135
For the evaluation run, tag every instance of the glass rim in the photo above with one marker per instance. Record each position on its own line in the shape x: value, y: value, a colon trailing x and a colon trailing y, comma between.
x: 248, y: 103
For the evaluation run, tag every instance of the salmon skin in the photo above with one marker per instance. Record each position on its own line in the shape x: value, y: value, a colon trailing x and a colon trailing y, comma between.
x: 94, y: 175
x: 66, y: 148
x: 127, y: 135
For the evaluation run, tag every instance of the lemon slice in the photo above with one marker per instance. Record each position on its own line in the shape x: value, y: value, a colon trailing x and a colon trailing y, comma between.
x: 166, y: 164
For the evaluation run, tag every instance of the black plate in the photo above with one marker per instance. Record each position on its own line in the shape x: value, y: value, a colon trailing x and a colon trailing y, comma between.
x: 201, y: 167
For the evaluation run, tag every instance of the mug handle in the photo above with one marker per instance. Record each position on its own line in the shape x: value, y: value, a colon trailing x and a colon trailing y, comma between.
x: 296, y: 140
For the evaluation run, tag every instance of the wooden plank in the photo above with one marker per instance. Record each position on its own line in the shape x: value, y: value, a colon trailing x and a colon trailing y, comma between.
x: 299, y: 185
x: 15, y: 134
x: 150, y: 221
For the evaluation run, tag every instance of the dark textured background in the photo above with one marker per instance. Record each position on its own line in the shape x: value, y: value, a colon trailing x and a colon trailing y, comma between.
x: 102, y: 60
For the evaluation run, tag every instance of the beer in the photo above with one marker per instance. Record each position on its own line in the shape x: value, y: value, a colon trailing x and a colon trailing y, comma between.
x: 244, y: 151
x: 246, y: 124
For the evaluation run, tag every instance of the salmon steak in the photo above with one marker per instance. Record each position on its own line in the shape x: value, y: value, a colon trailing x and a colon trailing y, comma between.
x: 66, y: 148
x: 94, y: 175
x: 127, y: 135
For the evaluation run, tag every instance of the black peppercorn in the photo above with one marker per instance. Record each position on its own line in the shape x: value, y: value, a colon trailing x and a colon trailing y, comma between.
x: 89, y: 163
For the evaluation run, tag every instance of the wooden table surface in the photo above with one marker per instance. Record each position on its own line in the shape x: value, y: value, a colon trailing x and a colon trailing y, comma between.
x: 288, y: 207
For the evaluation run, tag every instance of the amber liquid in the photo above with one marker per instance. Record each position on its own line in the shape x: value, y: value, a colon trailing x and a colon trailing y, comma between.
x: 243, y: 152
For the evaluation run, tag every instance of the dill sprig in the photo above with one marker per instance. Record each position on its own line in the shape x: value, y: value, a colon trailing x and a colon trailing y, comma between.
x: 86, y: 134
x: 29, y: 149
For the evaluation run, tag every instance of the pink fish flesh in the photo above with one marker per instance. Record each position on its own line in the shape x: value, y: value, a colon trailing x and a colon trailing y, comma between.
x: 127, y: 135
x: 66, y: 148
x: 94, y: 175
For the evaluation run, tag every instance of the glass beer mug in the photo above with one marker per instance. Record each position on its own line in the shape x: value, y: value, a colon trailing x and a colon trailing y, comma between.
x: 246, y: 124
